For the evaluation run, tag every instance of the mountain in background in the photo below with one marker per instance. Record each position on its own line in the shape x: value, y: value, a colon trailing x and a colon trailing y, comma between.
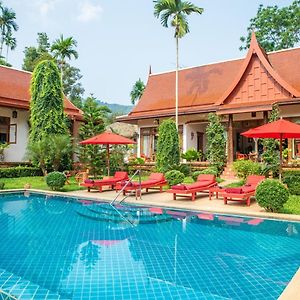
x: 117, y: 108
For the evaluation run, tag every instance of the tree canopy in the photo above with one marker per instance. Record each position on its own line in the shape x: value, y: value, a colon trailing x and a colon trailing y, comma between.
x: 276, y: 28
x: 137, y: 91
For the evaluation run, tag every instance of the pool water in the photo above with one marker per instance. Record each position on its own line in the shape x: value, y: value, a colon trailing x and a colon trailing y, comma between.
x: 63, y: 248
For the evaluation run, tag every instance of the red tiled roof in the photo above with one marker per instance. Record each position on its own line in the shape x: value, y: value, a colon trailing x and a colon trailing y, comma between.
x: 219, y: 86
x: 14, y: 91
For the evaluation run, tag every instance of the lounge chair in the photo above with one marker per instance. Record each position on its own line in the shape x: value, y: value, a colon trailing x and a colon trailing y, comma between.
x: 98, y: 184
x: 243, y: 193
x: 204, y: 183
x: 155, y: 181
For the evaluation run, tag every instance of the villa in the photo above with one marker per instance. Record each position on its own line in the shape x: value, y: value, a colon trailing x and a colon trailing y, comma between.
x: 14, y: 112
x: 241, y: 91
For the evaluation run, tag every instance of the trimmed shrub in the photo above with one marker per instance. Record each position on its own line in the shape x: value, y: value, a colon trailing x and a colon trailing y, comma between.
x: 167, y: 154
x: 210, y: 170
x: 292, y: 180
x: 174, y: 177
x: 244, y: 168
x: 183, y: 169
x: 20, y: 172
x: 56, y: 180
x: 271, y: 194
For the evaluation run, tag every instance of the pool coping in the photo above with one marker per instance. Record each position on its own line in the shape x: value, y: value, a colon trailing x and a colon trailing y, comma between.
x: 263, y: 214
x: 291, y: 291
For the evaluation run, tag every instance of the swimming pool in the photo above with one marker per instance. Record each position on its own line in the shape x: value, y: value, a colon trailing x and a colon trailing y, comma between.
x: 60, y: 248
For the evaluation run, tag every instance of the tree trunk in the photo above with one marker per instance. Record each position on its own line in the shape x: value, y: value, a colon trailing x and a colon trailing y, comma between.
x: 176, y: 84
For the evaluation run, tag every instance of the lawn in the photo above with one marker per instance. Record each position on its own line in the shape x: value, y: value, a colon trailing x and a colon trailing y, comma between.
x: 37, y: 182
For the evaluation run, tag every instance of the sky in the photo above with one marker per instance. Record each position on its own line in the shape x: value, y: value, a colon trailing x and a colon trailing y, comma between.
x: 118, y: 40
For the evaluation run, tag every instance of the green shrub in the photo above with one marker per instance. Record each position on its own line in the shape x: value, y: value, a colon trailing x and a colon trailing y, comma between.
x: 210, y: 170
x: 183, y: 169
x: 271, y: 194
x: 244, y: 168
x: 292, y: 180
x: 19, y: 171
x: 167, y: 153
x: 56, y: 180
x: 174, y: 177
x: 2, y: 184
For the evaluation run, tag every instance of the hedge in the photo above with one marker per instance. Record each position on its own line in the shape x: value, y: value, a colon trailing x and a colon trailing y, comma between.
x: 20, y: 172
x: 292, y: 179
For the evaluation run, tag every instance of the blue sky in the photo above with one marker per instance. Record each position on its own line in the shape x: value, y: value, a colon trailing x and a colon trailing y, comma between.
x: 118, y: 40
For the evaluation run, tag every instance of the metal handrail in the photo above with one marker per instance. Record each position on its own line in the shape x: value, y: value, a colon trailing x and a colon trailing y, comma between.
x: 124, y: 187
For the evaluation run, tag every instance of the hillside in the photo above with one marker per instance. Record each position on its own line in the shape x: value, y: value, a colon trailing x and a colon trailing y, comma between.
x: 117, y: 108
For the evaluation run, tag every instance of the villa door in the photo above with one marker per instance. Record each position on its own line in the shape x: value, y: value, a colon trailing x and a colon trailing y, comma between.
x: 200, y: 141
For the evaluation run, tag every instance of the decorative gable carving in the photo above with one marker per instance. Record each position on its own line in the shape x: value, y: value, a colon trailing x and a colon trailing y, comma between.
x: 257, y: 85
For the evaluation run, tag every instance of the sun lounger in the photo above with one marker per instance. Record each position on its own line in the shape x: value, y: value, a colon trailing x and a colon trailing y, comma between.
x: 204, y: 183
x: 155, y: 181
x: 98, y: 184
x: 243, y: 193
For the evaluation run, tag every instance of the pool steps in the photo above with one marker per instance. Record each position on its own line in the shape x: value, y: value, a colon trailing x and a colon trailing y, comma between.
x: 14, y: 287
x: 134, y: 215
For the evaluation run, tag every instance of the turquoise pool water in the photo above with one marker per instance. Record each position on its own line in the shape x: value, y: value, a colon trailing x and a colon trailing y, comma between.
x: 61, y: 248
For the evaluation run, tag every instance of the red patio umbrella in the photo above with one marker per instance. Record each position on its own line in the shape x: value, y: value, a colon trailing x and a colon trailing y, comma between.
x: 281, y: 129
x: 107, y: 138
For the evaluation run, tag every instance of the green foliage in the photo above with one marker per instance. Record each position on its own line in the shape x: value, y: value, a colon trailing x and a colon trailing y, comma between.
x: 2, y: 184
x: 167, y: 154
x: 56, y: 180
x: 292, y: 206
x: 276, y: 28
x: 3, y: 62
x: 19, y: 172
x: 117, y: 154
x: 244, y: 168
x: 292, y: 180
x: 183, y: 168
x: 271, y: 154
x: 34, y: 55
x: 46, y: 106
x: 175, y: 12
x: 191, y: 155
x: 271, y: 194
x: 7, y: 24
x: 174, y: 177
x: 210, y: 170
x: 60, y: 149
x: 137, y: 91
x: 95, y: 116
x: 216, y: 142
x: 136, y: 161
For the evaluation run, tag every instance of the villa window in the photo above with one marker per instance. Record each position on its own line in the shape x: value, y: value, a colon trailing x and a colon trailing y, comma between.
x: 8, y: 132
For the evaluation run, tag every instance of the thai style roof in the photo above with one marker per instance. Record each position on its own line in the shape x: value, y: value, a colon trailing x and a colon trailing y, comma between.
x: 247, y: 84
x: 14, y: 92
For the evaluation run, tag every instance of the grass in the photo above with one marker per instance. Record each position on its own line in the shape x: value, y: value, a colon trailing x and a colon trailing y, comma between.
x: 37, y: 182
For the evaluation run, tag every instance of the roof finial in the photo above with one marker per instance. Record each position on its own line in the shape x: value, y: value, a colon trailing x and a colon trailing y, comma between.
x: 150, y: 70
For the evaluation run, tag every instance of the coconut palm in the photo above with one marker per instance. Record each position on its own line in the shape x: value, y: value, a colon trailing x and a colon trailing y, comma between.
x: 174, y: 13
x: 64, y: 48
x: 137, y: 91
x: 7, y: 24
x: 10, y: 42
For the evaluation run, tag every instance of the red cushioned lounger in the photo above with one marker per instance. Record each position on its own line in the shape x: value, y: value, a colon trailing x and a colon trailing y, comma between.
x: 204, y: 183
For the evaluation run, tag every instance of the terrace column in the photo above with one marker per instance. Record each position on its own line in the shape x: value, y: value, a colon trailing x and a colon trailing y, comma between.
x: 230, y: 139
x: 266, y: 120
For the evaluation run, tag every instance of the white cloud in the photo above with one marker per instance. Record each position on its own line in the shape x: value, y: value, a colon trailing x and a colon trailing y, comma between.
x: 45, y: 6
x: 89, y: 11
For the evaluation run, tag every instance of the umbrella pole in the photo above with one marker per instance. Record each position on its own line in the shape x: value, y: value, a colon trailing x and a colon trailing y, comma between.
x: 280, y: 157
x: 108, y: 167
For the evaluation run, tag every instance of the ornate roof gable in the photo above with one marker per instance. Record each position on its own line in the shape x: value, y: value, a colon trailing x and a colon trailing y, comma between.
x: 257, y: 80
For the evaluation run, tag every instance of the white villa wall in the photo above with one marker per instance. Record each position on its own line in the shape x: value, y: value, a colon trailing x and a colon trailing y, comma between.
x: 16, y: 152
x: 191, y: 135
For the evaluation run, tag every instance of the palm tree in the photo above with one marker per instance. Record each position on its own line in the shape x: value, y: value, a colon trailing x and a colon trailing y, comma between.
x: 62, y: 49
x: 10, y: 42
x: 7, y: 24
x: 175, y: 12
x: 137, y: 91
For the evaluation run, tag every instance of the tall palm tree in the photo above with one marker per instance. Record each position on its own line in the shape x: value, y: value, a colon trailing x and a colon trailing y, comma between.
x: 7, y: 24
x: 137, y: 91
x: 10, y: 42
x: 175, y: 12
x: 64, y: 48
